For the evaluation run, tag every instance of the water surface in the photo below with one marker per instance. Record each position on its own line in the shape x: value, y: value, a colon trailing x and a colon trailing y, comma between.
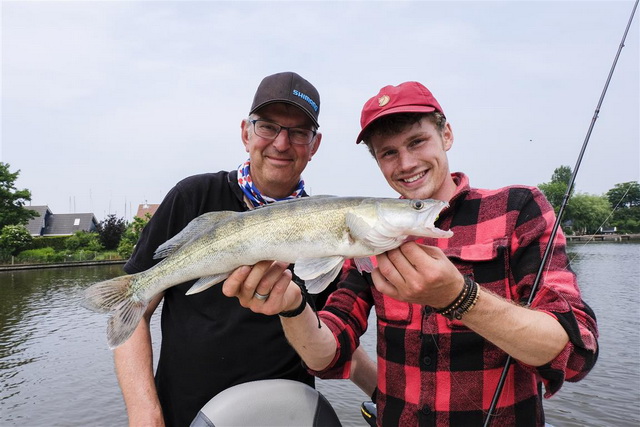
x: 56, y: 369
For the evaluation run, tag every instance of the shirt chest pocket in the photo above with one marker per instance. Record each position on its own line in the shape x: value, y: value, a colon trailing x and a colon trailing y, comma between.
x: 488, y: 265
x: 487, y: 262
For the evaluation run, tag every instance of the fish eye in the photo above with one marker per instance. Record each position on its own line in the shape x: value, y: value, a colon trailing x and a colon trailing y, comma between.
x: 418, y: 204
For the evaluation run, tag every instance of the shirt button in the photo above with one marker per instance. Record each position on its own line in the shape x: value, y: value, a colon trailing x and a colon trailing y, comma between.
x: 426, y: 361
x: 426, y: 410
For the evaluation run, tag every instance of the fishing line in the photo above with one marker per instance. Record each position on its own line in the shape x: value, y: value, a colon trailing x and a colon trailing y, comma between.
x: 556, y: 225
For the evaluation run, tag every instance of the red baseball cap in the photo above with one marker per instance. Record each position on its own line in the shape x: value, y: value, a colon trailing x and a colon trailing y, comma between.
x: 408, y: 97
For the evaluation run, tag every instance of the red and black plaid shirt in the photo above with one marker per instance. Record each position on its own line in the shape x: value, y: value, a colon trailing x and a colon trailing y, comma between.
x: 436, y: 372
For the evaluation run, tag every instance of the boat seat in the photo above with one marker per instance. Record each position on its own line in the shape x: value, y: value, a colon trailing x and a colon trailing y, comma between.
x: 275, y: 402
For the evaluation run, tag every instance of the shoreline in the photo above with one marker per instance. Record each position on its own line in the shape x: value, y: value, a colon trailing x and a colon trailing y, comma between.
x: 570, y: 239
x: 604, y: 238
x: 59, y: 265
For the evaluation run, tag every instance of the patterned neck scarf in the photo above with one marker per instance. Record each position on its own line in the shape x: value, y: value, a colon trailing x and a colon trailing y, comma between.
x: 253, y: 194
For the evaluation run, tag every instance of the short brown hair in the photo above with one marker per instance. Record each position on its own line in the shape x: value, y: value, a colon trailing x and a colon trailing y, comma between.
x: 394, y: 124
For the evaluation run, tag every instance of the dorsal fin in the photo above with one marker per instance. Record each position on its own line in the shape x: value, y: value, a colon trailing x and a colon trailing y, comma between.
x: 196, y: 227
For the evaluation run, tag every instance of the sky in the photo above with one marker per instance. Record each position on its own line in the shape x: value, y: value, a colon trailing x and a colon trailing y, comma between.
x: 107, y: 104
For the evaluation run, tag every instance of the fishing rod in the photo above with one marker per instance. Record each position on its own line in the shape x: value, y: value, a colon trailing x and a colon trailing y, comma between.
x: 556, y: 225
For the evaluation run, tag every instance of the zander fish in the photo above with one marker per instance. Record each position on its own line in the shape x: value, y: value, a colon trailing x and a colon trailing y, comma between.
x: 315, y: 233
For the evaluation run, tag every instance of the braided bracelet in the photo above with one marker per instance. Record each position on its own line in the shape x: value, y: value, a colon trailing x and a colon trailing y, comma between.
x: 297, y: 311
x: 306, y: 298
x: 464, y: 302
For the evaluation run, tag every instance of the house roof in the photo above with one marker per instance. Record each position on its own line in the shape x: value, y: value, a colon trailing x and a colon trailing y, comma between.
x: 35, y: 225
x: 66, y: 224
x: 146, y: 208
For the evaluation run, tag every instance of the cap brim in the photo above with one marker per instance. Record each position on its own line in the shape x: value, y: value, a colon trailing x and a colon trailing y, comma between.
x: 395, y: 110
x: 287, y: 101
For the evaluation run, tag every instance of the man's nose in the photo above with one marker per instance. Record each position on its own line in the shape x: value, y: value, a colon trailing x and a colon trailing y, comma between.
x: 282, y: 142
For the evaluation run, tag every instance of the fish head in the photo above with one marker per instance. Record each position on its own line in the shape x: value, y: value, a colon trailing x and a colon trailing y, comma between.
x: 385, y: 224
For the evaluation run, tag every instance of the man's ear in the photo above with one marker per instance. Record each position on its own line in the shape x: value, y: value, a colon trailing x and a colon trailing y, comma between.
x: 316, y: 145
x: 447, y: 136
x: 244, y: 133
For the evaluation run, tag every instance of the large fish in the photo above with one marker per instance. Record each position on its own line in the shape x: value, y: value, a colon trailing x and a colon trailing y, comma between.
x: 315, y: 233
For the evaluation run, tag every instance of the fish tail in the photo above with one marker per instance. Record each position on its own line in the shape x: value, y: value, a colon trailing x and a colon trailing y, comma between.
x: 115, y: 297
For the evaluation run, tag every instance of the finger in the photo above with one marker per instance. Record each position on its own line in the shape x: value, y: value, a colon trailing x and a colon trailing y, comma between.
x: 233, y: 285
x: 269, y: 278
x: 383, y: 285
x: 280, y: 294
x: 252, y: 280
x: 394, y: 266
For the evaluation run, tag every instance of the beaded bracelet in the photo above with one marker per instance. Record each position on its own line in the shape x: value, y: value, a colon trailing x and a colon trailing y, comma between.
x: 464, y: 302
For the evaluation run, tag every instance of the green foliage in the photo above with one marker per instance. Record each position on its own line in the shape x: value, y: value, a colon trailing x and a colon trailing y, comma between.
x: 131, y: 236
x: 84, y: 240
x: 111, y: 231
x: 626, y: 220
x: 13, y: 239
x: 56, y: 242
x: 587, y: 212
x: 42, y: 255
x: 625, y: 195
x: 562, y: 175
x: 12, y: 200
x: 619, y: 208
x: 556, y: 189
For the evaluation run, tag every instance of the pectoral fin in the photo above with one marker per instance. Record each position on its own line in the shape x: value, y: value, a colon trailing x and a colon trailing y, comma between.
x: 320, y: 283
x: 318, y: 273
x: 361, y: 230
x: 364, y: 264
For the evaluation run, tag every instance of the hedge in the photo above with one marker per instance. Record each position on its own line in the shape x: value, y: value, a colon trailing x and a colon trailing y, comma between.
x: 55, y: 242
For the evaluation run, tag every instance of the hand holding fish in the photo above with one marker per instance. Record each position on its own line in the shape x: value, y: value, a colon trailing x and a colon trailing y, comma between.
x: 418, y: 274
x: 264, y: 288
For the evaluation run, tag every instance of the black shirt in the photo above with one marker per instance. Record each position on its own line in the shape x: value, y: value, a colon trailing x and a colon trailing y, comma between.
x: 209, y: 341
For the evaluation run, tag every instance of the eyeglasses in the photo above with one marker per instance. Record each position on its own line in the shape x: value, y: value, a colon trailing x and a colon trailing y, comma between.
x: 271, y: 130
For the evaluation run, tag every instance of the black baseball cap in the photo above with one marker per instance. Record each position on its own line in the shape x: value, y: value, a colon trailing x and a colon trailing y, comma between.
x: 290, y: 88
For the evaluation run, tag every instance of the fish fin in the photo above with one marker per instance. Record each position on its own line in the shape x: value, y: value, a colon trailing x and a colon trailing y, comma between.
x: 320, y: 283
x: 124, y: 321
x: 358, y: 227
x: 114, y: 296
x: 205, y: 283
x: 104, y: 297
x: 196, y: 227
x: 314, y: 270
x: 364, y: 264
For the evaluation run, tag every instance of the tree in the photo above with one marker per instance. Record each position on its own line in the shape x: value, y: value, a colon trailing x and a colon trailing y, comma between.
x: 131, y: 235
x: 625, y: 200
x: 626, y: 195
x: 111, y: 231
x: 13, y: 239
x: 12, y: 201
x: 562, y: 174
x: 84, y: 240
x: 587, y: 212
x: 555, y: 190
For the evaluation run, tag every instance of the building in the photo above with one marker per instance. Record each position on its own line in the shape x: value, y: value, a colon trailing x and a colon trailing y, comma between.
x: 50, y: 224
x: 145, y: 209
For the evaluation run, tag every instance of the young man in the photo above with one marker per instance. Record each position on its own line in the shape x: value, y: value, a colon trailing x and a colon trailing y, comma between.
x: 209, y: 342
x: 449, y: 311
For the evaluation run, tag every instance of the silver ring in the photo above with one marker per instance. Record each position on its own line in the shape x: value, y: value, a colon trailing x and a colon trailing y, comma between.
x: 260, y: 296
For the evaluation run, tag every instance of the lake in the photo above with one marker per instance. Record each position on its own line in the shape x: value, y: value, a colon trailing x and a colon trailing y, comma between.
x: 56, y: 370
